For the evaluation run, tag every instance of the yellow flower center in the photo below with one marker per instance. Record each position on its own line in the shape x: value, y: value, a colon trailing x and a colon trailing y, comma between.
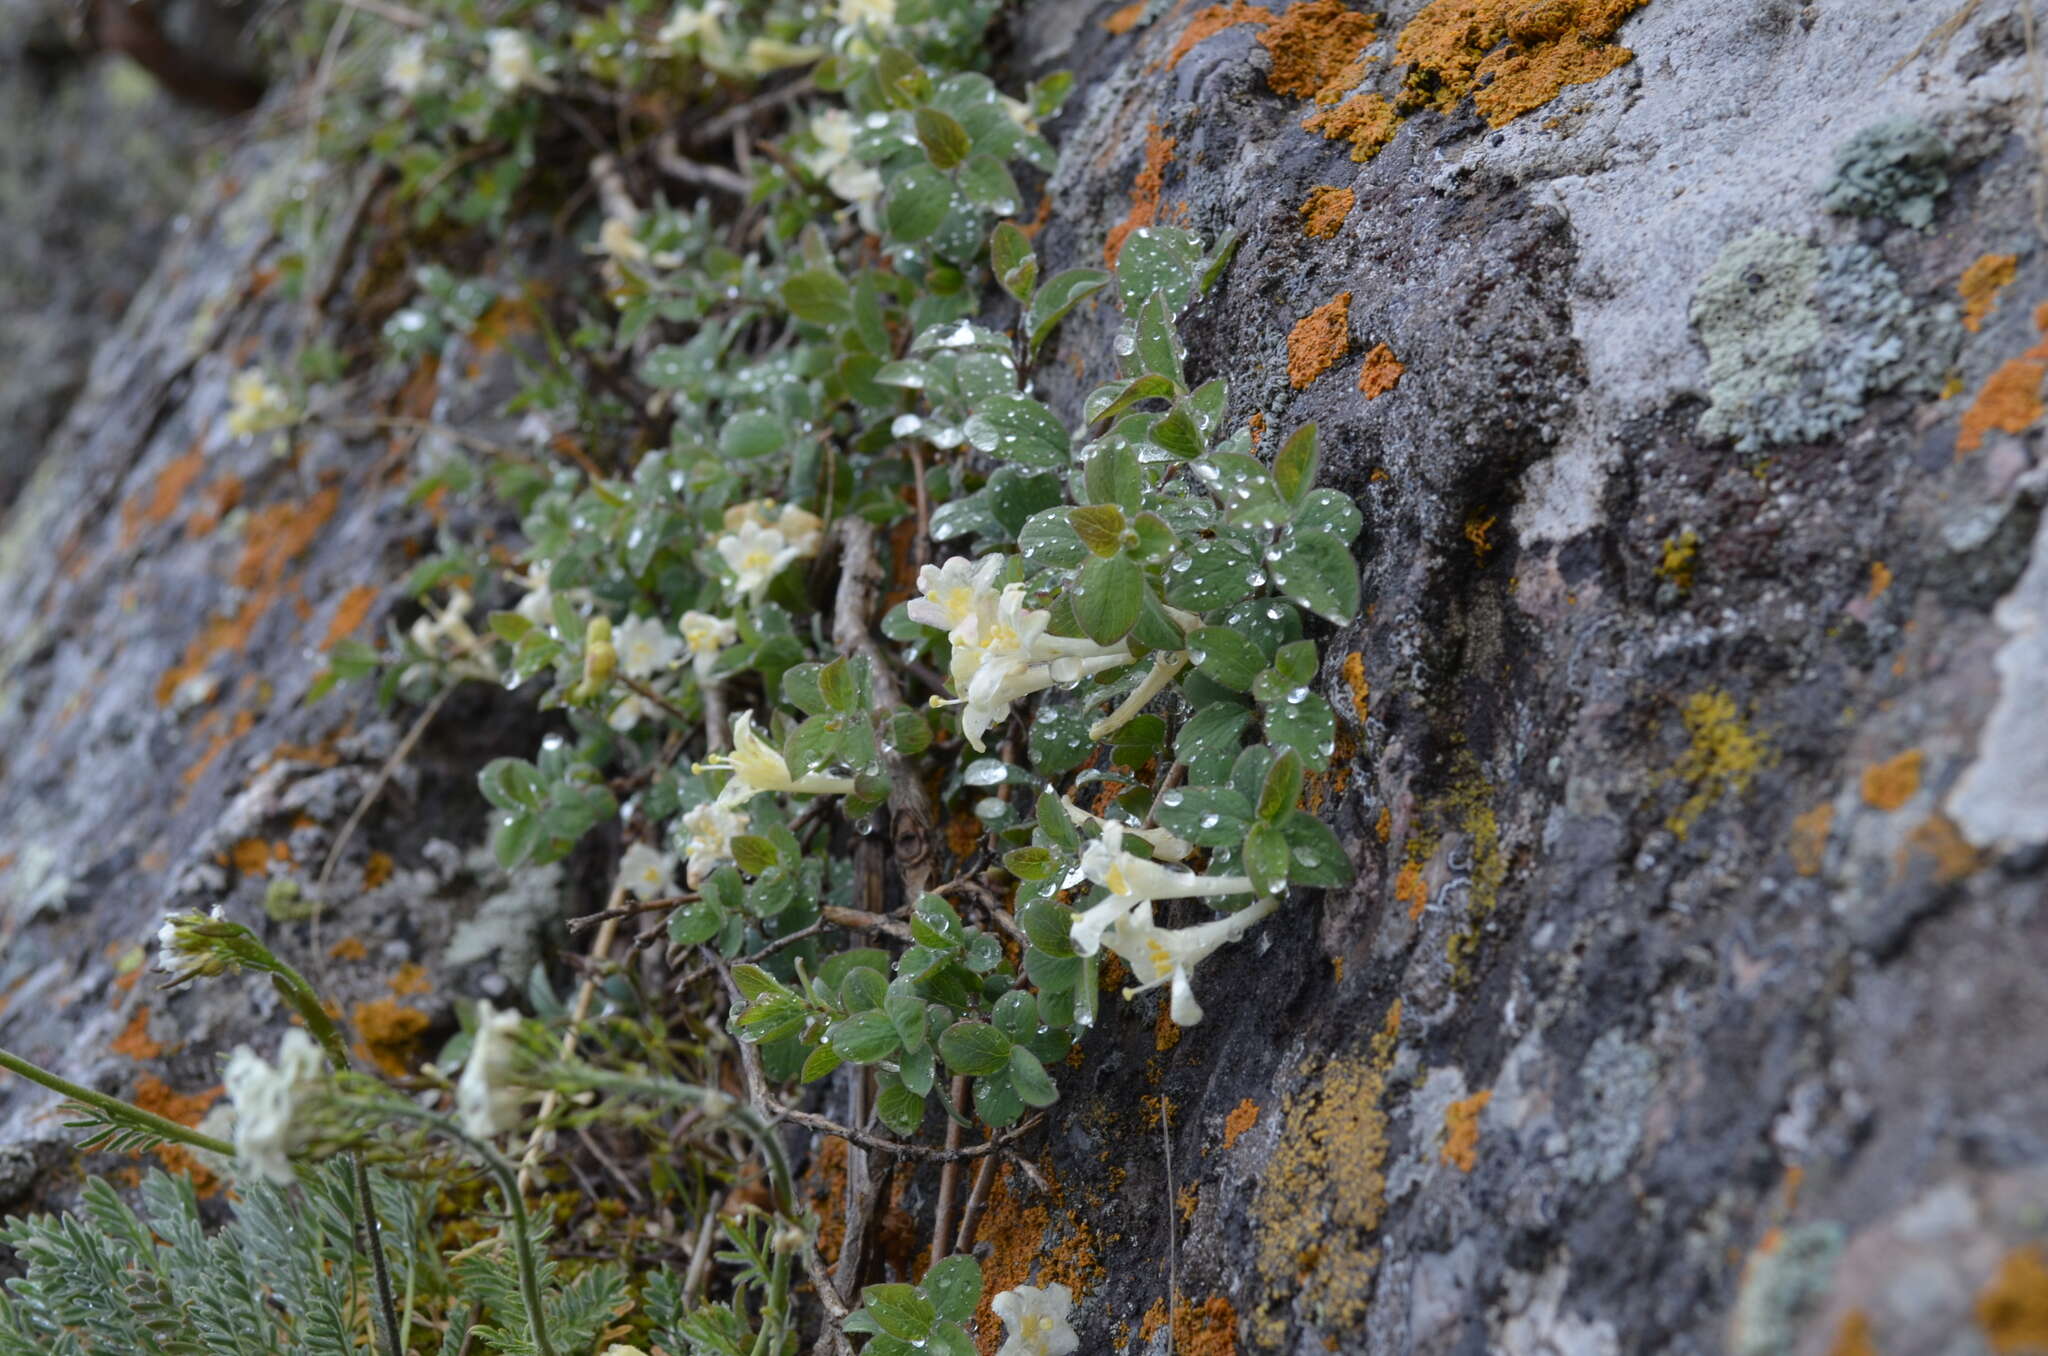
x: 756, y: 561
x: 1161, y: 962
x: 1116, y: 881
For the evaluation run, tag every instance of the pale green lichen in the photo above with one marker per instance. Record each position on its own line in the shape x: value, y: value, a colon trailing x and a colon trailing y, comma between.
x: 1785, y: 1279
x: 1895, y: 168
x: 1799, y: 339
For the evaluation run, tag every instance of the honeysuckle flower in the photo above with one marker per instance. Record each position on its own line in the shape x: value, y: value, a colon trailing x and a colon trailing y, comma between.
x: 485, y: 1101
x: 256, y: 404
x: 1037, y: 1321
x: 872, y: 13
x: 767, y: 55
x: 755, y: 555
x: 621, y: 1349
x: 757, y: 766
x: 711, y: 828
x: 538, y: 606
x: 406, y: 70
x: 1134, y: 882
x: 511, y: 64
x: 1159, y: 955
x: 706, y: 637
x: 647, y: 873
x: 802, y: 529
x: 1020, y: 113
x: 267, y: 1098
x: 1166, y: 846
x: 617, y: 242
x: 1165, y: 668
x: 835, y: 162
x: 646, y: 647
x: 445, y: 634
x: 692, y: 22
x: 1001, y: 653
x: 951, y: 593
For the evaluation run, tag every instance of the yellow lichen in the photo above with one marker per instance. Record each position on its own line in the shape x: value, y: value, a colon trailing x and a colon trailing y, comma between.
x: 1367, y: 121
x: 1679, y: 554
x: 1853, y: 1337
x: 1461, y: 1130
x: 1981, y: 283
x: 2013, y: 1309
x: 1723, y: 756
x: 1476, y: 530
x: 1353, y: 671
x: 1890, y: 784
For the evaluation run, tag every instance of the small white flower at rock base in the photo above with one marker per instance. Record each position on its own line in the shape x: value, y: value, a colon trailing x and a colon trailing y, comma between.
x: 647, y: 872
x: 445, y: 634
x: 755, y: 555
x: 710, y: 827
x: 1134, y: 883
x: 1020, y: 113
x: 485, y: 1100
x: 646, y: 647
x: 616, y: 241
x: 757, y: 766
x: 266, y: 1100
x: 511, y: 65
x: 1037, y: 1321
x: 1159, y: 955
x: 872, y: 13
x: 256, y: 404
x: 706, y: 637
x: 835, y: 162
x: 538, y: 606
x: 406, y: 70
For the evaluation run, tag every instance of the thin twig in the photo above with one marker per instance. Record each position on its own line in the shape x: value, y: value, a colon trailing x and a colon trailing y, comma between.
x: 700, y: 1258
x: 641, y: 689
x: 1172, y: 1233
x: 977, y: 1200
x: 949, y: 1175
x: 670, y: 160
x: 712, y: 129
x: 378, y: 783
x: 585, y: 994
x: 628, y: 910
x: 389, y: 12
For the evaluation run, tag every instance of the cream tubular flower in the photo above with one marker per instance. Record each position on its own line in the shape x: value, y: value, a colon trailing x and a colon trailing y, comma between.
x: 955, y: 592
x: 706, y: 637
x: 266, y: 1100
x: 691, y: 22
x: 1166, y: 847
x: 647, y: 873
x: 256, y: 404
x: 757, y: 766
x: 617, y: 242
x: 755, y: 555
x: 872, y: 13
x: 484, y: 1098
x: 646, y: 647
x: 1037, y: 1321
x: 511, y: 64
x: 711, y: 828
x: 1001, y: 654
x: 1165, y: 668
x: 1159, y: 955
x: 1132, y: 881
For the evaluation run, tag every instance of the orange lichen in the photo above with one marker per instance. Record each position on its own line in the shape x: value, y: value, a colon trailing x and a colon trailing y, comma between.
x: 1207, y: 23
x: 1938, y: 838
x: 1411, y: 889
x: 390, y: 1033
x: 134, y: 1040
x: 166, y: 493
x: 1152, y: 1322
x: 278, y: 534
x: 349, y: 614
x: 1188, y: 1201
x: 2010, y: 403
x: 217, y: 742
x: 411, y: 980
x: 1853, y: 1337
x: 1476, y: 530
x: 1383, y: 827
x: 1981, y: 283
x: 1810, y: 838
x: 1381, y: 373
x: 1257, y: 424
x: 1511, y: 56
x: 1205, y: 1329
x: 251, y: 856
x: 348, y: 949
x: 1316, y: 48
x: 1145, y: 190
x: 1125, y: 19
x: 1367, y: 121
x: 1353, y: 670
x: 1324, y: 210
x: 1165, y: 1031
x: 1461, y: 1131
x: 217, y: 501
x: 1319, y: 341
x: 1890, y: 784
x: 1242, y: 1117
x: 1880, y: 580
x: 377, y: 869
x: 1041, y: 1235
x: 963, y: 835
x: 154, y: 1095
x: 2013, y: 1309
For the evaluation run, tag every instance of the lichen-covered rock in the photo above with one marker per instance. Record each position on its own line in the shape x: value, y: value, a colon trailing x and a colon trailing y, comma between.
x: 1895, y: 168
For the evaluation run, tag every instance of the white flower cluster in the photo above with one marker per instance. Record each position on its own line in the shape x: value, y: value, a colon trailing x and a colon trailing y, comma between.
x: 1037, y: 1321
x: 407, y: 71
x: 444, y: 633
x: 757, y: 766
x: 759, y: 542
x: 267, y: 1099
x: 1123, y: 922
x: 510, y: 63
x: 179, y: 951
x: 834, y: 160
x: 485, y: 1098
x: 256, y: 404
x: 1001, y: 651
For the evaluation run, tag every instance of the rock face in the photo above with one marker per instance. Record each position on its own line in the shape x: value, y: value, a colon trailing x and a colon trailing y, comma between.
x: 1685, y: 360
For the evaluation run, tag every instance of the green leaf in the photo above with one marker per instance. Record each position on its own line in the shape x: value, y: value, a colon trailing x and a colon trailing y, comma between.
x: 945, y: 141
x: 822, y: 1060
x: 1266, y: 858
x: 1020, y: 429
x: 512, y: 784
x: 1111, y: 400
x: 1330, y: 513
x: 864, y: 1037
x: 1157, y: 259
x: 903, y: 81
x: 1317, y: 858
x: 919, y: 199
x: 836, y: 686
x: 949, y: 1339
x: 1179, y: 433
x: 1296, y: 661
x: 754, y: 854
x: 906, y: 1011
x: 1060, y: 294
x: 1209, y: 742
x: 1306, y: 726
x: 909, y: 732
x: 1112, y: 475
x: 753, y: 982
x: 752, y: 434
x: 1059, y: 739
x: 1226, y: 656
x: 996, y: 1101
x: 1029, y: 863
x: 819, y: 297
x: 1317, y: 571
x: 900, y: 1109
x: 1294, y: 469
x: 953, y: 1284
x: 901, y: 1310
x: 801, y: 689
x: 1049, y: 925
x: 1156, y: 341
x: 1107, y: 595
x: 1099, y: 526
x: 987, y: 183
x: 1033, y: 1084
x: 974, y: 1048
x: 1209, y: 574
x: 1207, y: 816
x: 514, y: 839
x: 1008, y: 247
x: 1282, y: 787
x: 695, y: 923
